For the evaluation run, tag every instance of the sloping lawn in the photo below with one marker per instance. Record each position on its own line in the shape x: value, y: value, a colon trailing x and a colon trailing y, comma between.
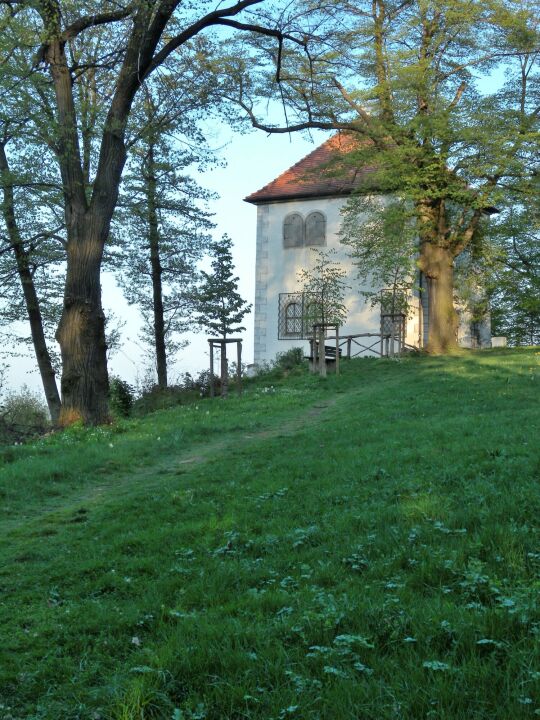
x: 365, y: 547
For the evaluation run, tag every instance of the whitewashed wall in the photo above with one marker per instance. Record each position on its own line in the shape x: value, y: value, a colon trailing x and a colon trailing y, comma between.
x: 277, y: 268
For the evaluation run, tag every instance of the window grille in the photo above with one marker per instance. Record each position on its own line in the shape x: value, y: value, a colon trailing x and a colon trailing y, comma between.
x: 293, y: 319
x: 297, y: 313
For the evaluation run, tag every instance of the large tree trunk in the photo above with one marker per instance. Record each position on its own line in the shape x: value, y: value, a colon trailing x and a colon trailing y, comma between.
x: 437, y: 264
x: 81, y: 334
x: 46, y: 370
x: 157, y: 272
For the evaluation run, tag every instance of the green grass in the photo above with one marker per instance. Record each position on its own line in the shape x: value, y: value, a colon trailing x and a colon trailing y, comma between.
x: 365, y: 547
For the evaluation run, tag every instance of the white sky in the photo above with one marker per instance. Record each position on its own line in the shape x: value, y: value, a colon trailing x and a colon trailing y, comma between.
x: 252, y: 160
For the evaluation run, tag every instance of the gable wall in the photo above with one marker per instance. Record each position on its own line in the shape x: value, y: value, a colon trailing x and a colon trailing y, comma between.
x: 277, y: 268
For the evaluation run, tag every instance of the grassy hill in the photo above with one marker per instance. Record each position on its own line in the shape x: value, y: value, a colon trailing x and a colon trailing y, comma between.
x: 361, y: 547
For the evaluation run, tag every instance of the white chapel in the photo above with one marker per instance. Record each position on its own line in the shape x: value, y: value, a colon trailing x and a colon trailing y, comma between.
x: 301, y: 210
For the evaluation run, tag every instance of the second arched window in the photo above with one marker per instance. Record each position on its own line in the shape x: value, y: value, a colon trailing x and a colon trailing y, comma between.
x: 315, y: 229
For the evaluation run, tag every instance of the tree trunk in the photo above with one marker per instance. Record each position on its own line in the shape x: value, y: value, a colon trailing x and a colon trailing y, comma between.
x: 224, y: 370
x: 157, y: 272
x: 81, y: 334
x: 437, y: 264
x: 46, y: 370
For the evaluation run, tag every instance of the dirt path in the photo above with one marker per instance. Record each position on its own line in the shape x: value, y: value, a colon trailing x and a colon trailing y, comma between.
x: 153, y: 472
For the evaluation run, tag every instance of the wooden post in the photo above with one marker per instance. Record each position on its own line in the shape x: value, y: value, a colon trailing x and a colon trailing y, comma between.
x: 337, y: 349
x: 239, y: 365
x: 211, y: 344
x: 393, y: 330
x: 224, y: 369
x: 349, y: 346
x: 322, y: 352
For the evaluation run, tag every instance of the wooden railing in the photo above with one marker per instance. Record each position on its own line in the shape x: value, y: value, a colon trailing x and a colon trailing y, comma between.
x: 383, y: 345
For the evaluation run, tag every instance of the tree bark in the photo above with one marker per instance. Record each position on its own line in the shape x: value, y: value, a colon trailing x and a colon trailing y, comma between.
x: 156, y: 271
x: 81, y: 334
x: 33, y: 309
x: 437, y: 264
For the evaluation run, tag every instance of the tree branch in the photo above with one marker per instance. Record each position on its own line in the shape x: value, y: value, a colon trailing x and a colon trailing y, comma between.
x: 457, y: 97
x: 207, y: 21
x: 87, y: 21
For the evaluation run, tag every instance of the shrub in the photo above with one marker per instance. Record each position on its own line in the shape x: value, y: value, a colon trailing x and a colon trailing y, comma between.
x: 290, y: 359
x: 157, y: 398
x: 23, y: 416
x: 199, y: 384
x: 121, y: 397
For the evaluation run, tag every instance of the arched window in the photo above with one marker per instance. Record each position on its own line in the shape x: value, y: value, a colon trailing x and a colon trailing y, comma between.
x: 293, y: 230
x: 293, y: 319
x: 316, y: 229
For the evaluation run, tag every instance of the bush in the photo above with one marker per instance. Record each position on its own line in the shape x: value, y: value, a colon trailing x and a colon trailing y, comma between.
x: 290, y: 359
x: 157, y: 398
x: 121, y: 397
x: 199, y: 384
x: 23, y: 416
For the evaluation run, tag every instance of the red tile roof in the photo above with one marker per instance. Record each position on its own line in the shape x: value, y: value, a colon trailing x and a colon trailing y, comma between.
x: 316, y: 175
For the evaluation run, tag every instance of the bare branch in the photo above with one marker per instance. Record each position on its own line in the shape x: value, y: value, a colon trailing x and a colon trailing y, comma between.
x: 206, y: 21
x: 457, y: 97
x: 87, y: 21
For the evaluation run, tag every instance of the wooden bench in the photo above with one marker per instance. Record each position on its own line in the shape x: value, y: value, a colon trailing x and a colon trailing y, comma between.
x: 329, y: 353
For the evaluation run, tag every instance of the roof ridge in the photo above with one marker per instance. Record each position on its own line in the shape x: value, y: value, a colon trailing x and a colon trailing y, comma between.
x: 300, y: 179
x: 296, y: 164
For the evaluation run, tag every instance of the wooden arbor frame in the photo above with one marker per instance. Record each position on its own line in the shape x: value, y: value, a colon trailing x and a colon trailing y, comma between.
x: 222, y: 343
x: 392, y: 332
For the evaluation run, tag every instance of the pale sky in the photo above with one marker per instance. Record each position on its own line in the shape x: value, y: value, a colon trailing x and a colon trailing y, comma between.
x: 253, y: 160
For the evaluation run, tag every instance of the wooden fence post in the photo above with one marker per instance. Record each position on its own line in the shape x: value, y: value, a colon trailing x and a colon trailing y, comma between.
x: 239, y: 365
x: 211, y: 344
x: 337, y: 349
x: 322, y: 352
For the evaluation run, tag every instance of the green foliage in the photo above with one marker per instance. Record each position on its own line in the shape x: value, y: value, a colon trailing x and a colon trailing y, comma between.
x: 383, y: 241
x: 121, y: 397
x: 514, y: 278
x: 290, y: 359
x: 324, y: 284
x: 159, y: 398
x: 161, y: 229
x: 219, y: 305
x: 367, y: 541
x: 23, y: 416
x: 188, y: 389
